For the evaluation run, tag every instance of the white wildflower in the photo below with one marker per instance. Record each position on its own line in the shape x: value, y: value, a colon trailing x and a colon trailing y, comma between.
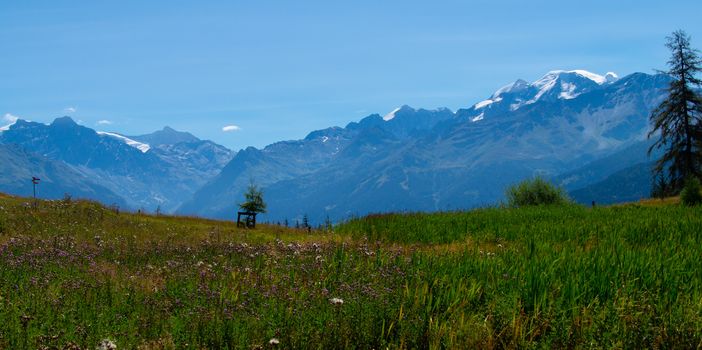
x: 106, y: 344
x: 274, y: 341
x: 336, y: 301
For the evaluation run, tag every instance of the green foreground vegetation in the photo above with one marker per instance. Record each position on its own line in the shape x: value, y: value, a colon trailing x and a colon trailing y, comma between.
x: 74, y: 273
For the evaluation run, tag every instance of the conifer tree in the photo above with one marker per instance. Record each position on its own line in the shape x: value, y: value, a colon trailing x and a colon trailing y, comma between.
x: 305, y: 221
x: 253, y: 200
x: 679, y: 117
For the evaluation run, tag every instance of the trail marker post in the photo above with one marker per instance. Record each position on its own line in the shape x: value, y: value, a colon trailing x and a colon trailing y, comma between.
x: 35, y: 182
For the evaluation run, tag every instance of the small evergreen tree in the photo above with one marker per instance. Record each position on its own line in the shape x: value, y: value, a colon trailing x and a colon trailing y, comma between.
x: 678, y: 117
x: 660, y: 188
x: 253, y: 202
x: 328, y: 224
x: 305, y: 221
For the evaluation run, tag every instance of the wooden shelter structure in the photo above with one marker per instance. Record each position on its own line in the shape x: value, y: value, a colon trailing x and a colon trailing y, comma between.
x: 249, y: 219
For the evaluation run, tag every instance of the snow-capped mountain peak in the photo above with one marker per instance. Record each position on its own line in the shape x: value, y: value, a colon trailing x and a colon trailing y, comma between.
x: 9, y: 120
x: 404, y: 108
x: 485, y: 103
x: 391, y: 115
x: 555, y: 74
x: 143, y: 147
x: 568, y: 85
x: 514, y: 87
x: 554, y: 85
x: 611, y: 77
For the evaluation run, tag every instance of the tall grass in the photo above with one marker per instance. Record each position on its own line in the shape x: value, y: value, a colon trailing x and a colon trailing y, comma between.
x: 622, y: 276
x: 72, y: 274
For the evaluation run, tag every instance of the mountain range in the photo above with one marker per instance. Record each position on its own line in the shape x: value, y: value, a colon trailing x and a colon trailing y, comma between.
x: 417, y: 159
x: 585, y: 131
x: 161, y: 174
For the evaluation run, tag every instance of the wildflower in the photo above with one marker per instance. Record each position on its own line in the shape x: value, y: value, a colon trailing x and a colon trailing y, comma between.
x: 25, y: 320
x: 336, y: 301
x: 274, y: 341
x: 106, y: 344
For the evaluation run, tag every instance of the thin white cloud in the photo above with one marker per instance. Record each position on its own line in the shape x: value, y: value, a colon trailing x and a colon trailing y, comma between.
x: 8, y: 119
x: 104, y: 122
x: 69, y: 110
x: 229, y: 128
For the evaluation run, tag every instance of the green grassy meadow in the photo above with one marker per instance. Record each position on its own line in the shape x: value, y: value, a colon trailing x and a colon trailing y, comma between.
x: 73, y: 273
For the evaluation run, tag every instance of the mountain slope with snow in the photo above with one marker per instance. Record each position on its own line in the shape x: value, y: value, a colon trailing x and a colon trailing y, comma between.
x: 144, y: 176
x: 554, y: 85
x: 439, y: 160
x: 574, y: 126
x: 143, y: 147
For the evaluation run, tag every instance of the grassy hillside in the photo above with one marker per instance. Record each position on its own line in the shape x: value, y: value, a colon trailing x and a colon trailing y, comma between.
x: 75, y: 273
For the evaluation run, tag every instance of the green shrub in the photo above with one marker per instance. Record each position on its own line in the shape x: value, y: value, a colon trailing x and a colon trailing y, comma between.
x: 691, y: 193
x: 536, y: 191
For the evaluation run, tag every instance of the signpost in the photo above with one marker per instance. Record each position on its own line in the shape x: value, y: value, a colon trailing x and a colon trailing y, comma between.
x: 35, y: 182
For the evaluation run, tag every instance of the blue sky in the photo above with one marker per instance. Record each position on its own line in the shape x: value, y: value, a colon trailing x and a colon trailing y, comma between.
x: 280, y: 69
